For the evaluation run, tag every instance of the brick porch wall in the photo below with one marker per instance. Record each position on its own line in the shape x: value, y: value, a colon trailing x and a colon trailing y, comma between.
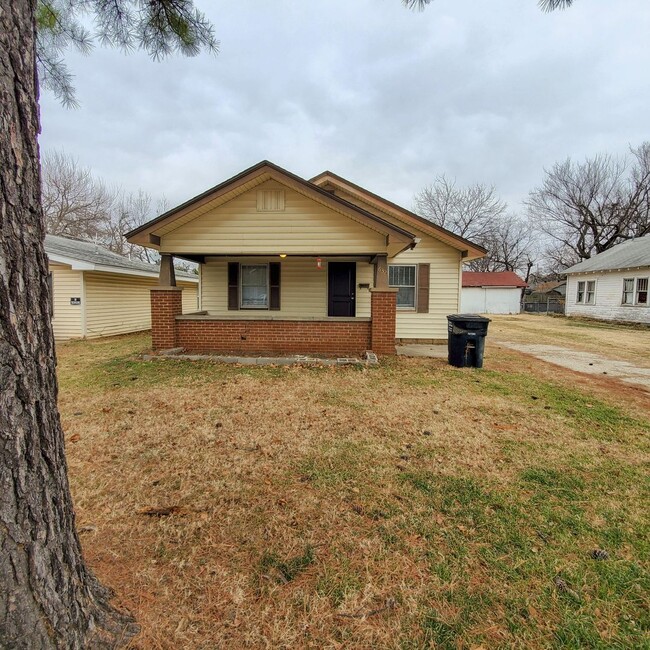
x: 166, y: 304
x: 278, y: 337
x: 384, y: 313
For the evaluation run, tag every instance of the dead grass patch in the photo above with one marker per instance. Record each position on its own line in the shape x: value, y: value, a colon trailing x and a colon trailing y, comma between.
x: 612, y: 340
x: 406, y: 506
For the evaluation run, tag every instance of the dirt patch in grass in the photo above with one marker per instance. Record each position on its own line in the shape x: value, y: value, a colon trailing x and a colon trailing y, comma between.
x: 406, y: 506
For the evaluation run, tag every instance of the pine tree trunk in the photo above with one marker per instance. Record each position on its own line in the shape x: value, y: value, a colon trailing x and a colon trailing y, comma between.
x: 48, y: 598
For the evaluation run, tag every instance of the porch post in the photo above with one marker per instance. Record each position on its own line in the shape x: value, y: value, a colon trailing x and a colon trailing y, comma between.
x: 383, y: 306
x: 381, y: 271
x: 167, y: 275
x: 166, y: 304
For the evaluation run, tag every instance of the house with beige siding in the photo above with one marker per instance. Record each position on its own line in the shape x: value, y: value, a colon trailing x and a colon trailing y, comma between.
x: 288, y: 265
x: 96, y: 292
x: 612, y: 285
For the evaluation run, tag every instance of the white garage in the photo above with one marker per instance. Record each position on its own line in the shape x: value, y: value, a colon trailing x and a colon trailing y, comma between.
x: 491, y: 293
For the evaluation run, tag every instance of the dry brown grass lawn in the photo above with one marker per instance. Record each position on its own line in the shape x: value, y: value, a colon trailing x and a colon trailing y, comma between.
x: 629, y: 343
x: 407, y: 506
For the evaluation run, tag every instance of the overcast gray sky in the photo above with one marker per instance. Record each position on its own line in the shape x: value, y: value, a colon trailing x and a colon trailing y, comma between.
x: 482, y: 90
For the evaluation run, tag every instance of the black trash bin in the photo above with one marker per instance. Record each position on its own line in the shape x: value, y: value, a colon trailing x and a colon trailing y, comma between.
x: 466, y: 340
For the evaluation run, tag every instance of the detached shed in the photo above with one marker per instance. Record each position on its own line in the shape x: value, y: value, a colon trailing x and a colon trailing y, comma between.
x: 491, y: 293
x: 99, y: 293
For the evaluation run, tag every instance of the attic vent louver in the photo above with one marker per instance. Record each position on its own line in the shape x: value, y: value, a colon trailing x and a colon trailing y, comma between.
x: 270, y: 200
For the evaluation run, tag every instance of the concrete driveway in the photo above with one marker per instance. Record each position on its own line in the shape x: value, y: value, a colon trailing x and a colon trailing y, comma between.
x: 415, y: 350
x: 587, y: 362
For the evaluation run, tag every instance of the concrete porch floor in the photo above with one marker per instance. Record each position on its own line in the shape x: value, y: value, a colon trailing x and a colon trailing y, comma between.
x: 419, y: 350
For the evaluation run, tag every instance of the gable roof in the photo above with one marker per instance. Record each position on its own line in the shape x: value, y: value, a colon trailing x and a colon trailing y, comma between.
x: 496, y: 279
x: 244, y: 181
x: 472, y: 250
x: 88, y: 256
x: 629, y: 254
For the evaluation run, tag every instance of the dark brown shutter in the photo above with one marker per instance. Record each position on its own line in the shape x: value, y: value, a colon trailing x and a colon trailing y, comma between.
x: 233, y: 285
x: 423, y: 288
x: 274, y: 285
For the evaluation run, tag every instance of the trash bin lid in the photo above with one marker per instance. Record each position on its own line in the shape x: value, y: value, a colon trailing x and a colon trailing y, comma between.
x: 468, y: 317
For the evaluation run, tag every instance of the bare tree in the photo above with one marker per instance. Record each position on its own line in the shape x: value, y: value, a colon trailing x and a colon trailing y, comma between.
x: 586, y: 208
x: 81, y: 206
x: 510, y: 245
x: 129, y: 212
x: 75, y: 203
x: 467, y: 211
x: 477, y: 213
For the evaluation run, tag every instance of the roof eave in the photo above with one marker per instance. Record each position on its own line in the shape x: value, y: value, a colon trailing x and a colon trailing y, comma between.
x: 480, y: 251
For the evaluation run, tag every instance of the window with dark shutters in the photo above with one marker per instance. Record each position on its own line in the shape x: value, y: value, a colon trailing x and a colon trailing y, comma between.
x: 235, y: 298
x: 274, y: 286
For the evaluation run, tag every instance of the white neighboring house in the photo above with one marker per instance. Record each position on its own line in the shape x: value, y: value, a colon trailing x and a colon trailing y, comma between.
x: 491, y: 293
x: 612, y: 285
x: 96, y: 292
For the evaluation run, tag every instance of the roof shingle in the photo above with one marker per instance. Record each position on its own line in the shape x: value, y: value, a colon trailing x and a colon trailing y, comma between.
x: 496, y: 279
x: 95, y: 254
x: 627, y: 255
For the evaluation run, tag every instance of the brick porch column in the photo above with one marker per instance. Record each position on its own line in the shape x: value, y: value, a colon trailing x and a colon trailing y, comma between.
x: 382, y: 328
x: 166, y: 304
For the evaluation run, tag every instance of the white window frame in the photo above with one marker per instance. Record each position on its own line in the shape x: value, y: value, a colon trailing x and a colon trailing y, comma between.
x: 414, y: 285
x: 637, y: 291
x: 631, y: 292
x: 241, y: 287
x: 582, y: 292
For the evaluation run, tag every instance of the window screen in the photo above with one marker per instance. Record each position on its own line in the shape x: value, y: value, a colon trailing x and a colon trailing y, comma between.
x: 254, y: 286
x: 403, y: 277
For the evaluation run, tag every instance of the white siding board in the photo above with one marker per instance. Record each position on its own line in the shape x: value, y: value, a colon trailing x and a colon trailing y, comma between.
x: 609, y: 296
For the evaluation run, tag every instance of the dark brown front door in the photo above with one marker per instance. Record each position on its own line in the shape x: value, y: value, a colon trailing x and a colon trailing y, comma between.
x: 341, y: 282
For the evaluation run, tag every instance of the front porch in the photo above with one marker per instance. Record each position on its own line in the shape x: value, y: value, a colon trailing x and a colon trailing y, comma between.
x: 290, y: 314
x: 276, y: 335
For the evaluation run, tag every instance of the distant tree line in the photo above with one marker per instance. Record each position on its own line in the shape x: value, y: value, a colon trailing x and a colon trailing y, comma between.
x: 79, y: 205
x: 580, y: 209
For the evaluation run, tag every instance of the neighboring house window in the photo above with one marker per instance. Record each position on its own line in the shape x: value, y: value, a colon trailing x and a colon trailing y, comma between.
x: 628, y: 291
x: 403, y: 277
x: 642, y: 291
x: 586, y: 292
x: 254, y: 286
x: 635, y: 291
